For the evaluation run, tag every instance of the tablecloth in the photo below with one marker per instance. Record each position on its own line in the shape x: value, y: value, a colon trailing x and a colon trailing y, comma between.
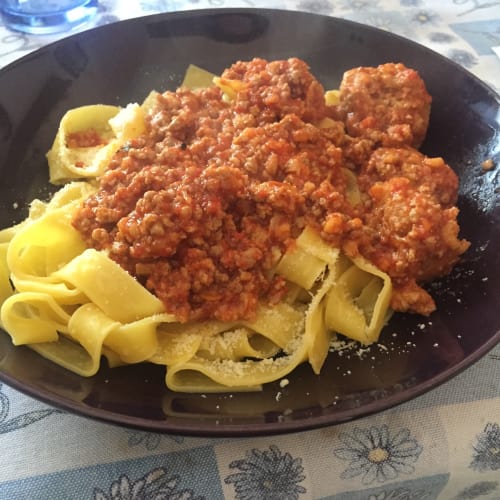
x: 444, y: 444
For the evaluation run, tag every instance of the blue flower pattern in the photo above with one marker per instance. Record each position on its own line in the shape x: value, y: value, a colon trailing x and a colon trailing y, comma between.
x: 318, y: 6
x: 486, y: 456
x: 150, y: 440
x: 400, y: 494
x: 440, y: 37
x: 424, y: 17
x: 358, y: 4
x: 377, y: 455
x: 267, y: 475
x: 479, y: 489
x: 475, y: 5
x: 155, y: 485
x: 410, y: 3
x: 463, y: 57
x: 23, y: 420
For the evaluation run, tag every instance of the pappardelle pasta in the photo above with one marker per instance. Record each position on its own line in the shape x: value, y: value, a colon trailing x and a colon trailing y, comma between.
x: 231, y: 229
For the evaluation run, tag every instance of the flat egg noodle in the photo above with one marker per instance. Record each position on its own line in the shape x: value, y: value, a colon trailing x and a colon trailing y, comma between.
x: 38, y: 249
x: 358, y: 305
x: 275, y: 323
x: 110, y: 318
x: 301, y: 267
x: 31, y: 317
x: 109, y: 287
x: 84, y: 357
x: 316, y: 330
x: 235, y: 345
x: 197, y: 78
x: 74, y: 192
x: 5, y: 286
x: 28, y: 255
x: 42, y: 304
x: 70, y: 355
x: 92, y: 334
x: 228, y: 359
x: 201, y: 374
x: 352, y: 298
x: 132, y: 342
x: 114, y: 125
x: 315, y: 327
x: 39, y: 258
x: 179, y: 342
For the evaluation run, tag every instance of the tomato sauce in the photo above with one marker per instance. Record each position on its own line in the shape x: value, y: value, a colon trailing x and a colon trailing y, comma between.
x: 84, y: 139
x: 202, y: 206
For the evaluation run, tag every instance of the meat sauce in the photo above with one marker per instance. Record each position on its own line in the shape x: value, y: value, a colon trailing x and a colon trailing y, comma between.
x: 202, y: 206
x: 84, y: 139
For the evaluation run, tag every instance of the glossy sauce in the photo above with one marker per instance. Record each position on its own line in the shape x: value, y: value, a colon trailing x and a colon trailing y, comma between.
x: 201, y: 208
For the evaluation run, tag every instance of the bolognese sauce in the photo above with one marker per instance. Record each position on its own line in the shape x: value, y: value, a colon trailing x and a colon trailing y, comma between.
x: 85, y: 139
x: 202, y: 206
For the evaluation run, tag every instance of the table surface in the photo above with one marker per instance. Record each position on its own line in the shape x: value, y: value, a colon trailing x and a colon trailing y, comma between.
x: 444, y: 444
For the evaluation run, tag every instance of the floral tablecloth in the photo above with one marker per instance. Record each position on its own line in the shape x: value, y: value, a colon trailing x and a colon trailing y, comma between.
x: 445, y: 444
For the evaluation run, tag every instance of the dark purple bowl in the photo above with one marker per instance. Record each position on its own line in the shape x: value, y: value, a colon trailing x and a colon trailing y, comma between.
x: 120, y: 63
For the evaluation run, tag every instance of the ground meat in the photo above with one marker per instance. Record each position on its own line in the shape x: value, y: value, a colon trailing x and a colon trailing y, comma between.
x: 388, y: 104
x: 434, y: 173
x: 84, y: 139
x: 409, y: 296
x: 203, y: 205
x: 201, y: 208
x: 408, y: 234
x: 274, y: 89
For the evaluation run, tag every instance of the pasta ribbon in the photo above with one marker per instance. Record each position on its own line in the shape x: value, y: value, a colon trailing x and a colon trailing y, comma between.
x: 306, y: 261
x: 239, y: 371
x: 110, y: 287
x: 358, y: 304
x: 37, y: 250
x: 332, y: 97
x: 32, y: 317
x: 109, y: 126
x: 5, y: 286
x: 43, y: 243
x: 310, y: 261
x: 197, y: 78
x: 229, y: 87
x: 178, y: 343
x: 235, y: 345
x: 91, y: 334
x: 81, y: 351
x: 316, y: 329
x: 69, y: 162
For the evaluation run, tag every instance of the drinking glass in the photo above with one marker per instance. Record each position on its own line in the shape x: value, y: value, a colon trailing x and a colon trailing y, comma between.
x: 43, y: 17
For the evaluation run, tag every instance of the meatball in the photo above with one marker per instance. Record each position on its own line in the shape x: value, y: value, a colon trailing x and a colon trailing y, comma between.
x: 407, y: 234
x: 387, y: 104
x: 271, y: 90
x: 386, y: 163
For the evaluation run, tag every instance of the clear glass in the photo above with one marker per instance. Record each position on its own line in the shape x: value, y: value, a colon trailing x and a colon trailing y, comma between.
x: 43, y: 17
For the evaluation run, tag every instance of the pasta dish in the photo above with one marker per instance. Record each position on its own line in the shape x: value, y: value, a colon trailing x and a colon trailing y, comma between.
x: 231, y: 229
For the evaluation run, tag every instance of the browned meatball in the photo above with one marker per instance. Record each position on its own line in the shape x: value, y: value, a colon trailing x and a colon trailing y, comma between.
x: 388, y: 104
x: 408, y: 234
x: 271, y: 90
x: 434, y: 173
